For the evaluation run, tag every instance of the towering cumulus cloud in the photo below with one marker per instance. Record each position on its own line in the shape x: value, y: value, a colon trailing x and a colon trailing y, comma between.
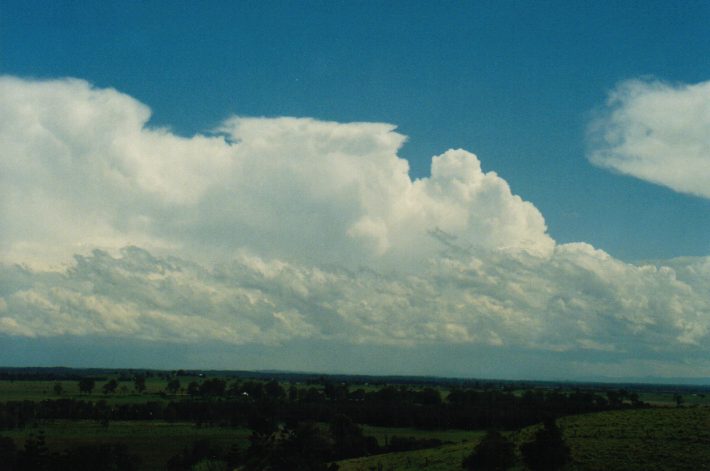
x: 657, y: 132
x: 81, y: 170
x: 274, y: 231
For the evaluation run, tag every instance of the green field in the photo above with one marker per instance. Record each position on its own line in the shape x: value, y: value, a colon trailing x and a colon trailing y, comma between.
x: 659, y: 438
x: 630, y: 440
x: 443, y: 458
x: 648, y: 439
x: 33, y: 390
x: 382, y: 434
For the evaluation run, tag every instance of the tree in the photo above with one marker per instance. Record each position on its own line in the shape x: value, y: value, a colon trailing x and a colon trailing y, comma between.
x: 58, y: 388
x: 201, y: 452
x: 429, y: 396
x: 548, y: 451
x: 173, y: 386
x: 349, y: 440
x: 110, y: 386
x: 213, y: 387
x: 494, y: 452
x: 273, y: 390
x: 139, y: 383
x: 193, y: 389
x: 86, y: 385
x: 8, y: 453
x: 303, y: 446
x: 35, y: 454
x: 96, y: 457
x: 292, y: 393
x: 678, y: 400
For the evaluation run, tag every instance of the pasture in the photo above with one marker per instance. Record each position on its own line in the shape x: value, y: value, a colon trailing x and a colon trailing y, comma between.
x: 646, y: 439
x: 630, y: 436
x: 657, y: 439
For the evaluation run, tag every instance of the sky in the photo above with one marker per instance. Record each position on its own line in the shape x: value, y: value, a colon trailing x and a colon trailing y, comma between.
x: 479, y: 189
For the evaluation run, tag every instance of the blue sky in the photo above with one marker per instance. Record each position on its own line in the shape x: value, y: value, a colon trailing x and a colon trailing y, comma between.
x: 514, y: 82
x: 519, y: 84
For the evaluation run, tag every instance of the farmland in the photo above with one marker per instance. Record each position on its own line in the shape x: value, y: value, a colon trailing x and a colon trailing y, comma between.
x: 243, y: 420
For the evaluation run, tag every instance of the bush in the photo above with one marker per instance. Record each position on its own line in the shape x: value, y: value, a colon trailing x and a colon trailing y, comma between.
x: 548, y: 451
x: 494, y: 452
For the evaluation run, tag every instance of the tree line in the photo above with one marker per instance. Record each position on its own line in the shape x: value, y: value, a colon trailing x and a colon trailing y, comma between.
x: 215, y: 402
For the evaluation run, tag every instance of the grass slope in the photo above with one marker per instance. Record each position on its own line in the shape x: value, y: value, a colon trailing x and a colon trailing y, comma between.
x: 442, y: 458
x: 646, y: 439
x: 630, y: 440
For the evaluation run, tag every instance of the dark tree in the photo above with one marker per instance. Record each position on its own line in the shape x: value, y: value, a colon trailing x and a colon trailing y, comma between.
x: 349, y: 438
x: 273, y: 390
x: 548, y: 451
x: 335, y: 392
x: 494, y: 453
x: 213, y: 387
x: 139, y: 383
x: 8, y: 454
x: 429, y: 396
x: 58, y: 388
x: 101, y: 457
x: 35, y: 455
x: 235, y: 388
x: 110, y: 386
x: 173, y: 386
x: 201, y: 451
x: 304, y: 447
x: 678, y: 400
x: 292, y: 393
x: 254, y: 389
x: 193, y: 389
x: 86, y: 385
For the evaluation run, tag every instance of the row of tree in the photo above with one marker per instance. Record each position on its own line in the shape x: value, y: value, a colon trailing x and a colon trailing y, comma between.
x: 387, y: 406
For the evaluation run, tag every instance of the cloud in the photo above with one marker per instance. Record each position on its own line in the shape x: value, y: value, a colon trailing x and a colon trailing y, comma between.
x: 657, y: 132
x: 280, y: 232
x: 578, y: 301
x: 81, y: 170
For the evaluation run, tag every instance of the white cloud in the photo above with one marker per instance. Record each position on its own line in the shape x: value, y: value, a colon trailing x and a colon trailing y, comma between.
x: 279, y: 230
x: 80, y: 170
x: 657, y: 132
x: 578, y: 300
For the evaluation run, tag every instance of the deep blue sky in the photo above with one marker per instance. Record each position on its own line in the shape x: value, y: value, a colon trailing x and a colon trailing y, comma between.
x: 514, y: 82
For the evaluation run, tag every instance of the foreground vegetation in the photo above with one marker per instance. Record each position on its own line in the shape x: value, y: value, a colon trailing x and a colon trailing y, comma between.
x: 651, y: 439
x: 645, y: 440
x: 102, y: 419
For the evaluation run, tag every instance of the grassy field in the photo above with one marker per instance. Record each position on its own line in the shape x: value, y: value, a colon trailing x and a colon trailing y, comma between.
x: 648, y: 439
x: 641, y: 439
x: 631, y: 440
x: 153, y: 441
x: 23, y: 390
x: 382, y: 434
x: 443, y: 458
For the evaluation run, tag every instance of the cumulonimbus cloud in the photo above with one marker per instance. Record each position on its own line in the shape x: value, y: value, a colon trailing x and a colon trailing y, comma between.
x: 80, y: 169
x: 657, y: 132
x: 268, y: 230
